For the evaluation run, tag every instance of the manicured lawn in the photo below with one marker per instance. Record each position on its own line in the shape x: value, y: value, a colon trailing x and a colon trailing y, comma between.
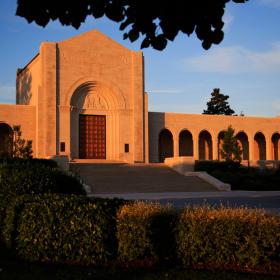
x: 13, y: 269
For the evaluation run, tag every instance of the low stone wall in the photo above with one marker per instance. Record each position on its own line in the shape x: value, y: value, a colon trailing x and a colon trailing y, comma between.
x: 185, y: 166
x: 181, y: 164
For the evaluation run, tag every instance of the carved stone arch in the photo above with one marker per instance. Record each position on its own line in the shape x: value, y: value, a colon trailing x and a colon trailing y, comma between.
x: 114, y: 94
x: 93, y: 103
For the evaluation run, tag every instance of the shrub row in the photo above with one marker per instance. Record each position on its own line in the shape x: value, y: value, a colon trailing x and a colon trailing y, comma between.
x: 203, y: 235
x: 240, y: 177
x: 223, y: 236
x: 29, y: 161
x: 213, y: 165
x: 60, y: 228
x: 23, y: 178
x: 146, y: 231
x: 77, y: 230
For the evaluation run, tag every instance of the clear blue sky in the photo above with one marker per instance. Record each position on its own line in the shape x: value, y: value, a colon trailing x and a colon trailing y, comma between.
x: 245, y: 66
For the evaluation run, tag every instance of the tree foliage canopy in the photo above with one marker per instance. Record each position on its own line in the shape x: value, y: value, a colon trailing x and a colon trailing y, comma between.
x: 218, y: 104
x: 230, y: 151
x: 20, y: 147
x: 157, y: 22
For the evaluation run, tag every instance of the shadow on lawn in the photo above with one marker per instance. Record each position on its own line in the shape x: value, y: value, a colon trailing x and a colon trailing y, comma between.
x: 15, y: 269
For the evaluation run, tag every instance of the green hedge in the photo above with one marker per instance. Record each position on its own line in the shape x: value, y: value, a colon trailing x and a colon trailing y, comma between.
x: 213, y: 165
x: 202, y: 236
x: 19, y: 179
x: 222, y: 236
x: 241, y: 177
x: 4, y: 202
x: 78, y: 230
x: 30, y: 161
x: 62, y: 228
x: 143, y: 232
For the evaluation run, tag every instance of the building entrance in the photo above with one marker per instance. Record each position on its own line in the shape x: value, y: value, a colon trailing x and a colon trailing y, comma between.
x: 92, y: 136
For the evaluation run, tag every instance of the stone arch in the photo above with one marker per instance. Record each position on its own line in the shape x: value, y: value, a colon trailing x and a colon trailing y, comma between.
x: 205, y: 145
x: 220, y: 143
x: 243, y: 142
x: 275, y: 139
x: 259, y: 146
x: 102, y: 103
x: 165, y: 144
x: 110, y: 99
x: 185, y: 143
x: 5, y: 144
x: 91, y: 81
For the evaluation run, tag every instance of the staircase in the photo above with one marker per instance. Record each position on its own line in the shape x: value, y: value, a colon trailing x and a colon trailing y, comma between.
x: 117, y: 178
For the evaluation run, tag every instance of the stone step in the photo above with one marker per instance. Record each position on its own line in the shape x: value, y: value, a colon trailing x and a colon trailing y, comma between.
x: 136, y: 178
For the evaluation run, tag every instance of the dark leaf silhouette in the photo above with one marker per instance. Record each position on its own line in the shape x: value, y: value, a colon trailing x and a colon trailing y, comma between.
x: 153, y: 22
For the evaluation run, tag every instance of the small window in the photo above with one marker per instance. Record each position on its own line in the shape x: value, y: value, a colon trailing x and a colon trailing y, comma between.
x: 126, y: 148
x: 62, y: 146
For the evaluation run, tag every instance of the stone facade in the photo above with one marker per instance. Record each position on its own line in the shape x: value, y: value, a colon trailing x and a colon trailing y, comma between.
x: 84, y: 98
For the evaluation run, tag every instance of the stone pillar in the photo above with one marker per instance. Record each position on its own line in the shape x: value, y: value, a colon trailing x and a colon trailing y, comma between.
x: 138, y: 105
x: 146, y: 130
x: 251, y: 150
x: 175, y: 145
x: 268, y: 148
x: 215, y: 149
x: 48, y: 52
x: 195, y: 147
x: 64, y: 128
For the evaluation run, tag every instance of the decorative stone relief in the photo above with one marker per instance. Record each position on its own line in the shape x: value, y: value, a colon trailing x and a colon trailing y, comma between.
x: 94, y: 101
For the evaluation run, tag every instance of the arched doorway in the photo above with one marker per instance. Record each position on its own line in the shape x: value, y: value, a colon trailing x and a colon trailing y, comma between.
x: 259, y: 146
x: 5, y: 142
x: 165, y: 145
x: 205, y: 146
x: 275, y: 146
x: 95, y: 122
x: 185, y: 143
x: 242, y: 140
x: 221, y: 136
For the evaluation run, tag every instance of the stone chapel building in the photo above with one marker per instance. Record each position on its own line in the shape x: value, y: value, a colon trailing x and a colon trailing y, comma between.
x: 84, y: 98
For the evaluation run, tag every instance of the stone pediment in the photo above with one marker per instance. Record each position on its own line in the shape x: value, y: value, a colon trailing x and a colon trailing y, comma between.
x: 93, y: 39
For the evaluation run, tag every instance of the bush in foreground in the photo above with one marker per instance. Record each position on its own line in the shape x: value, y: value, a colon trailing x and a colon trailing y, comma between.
x: 62, y: 229
x: 146, y: 231
x: 227, y: 237
x: 19, y: 179
x: 202, y: 236
x: 77, y: 230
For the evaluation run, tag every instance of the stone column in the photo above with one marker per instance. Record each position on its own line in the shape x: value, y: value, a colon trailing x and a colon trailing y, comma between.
x: 215, y: 147
x: 268, y: 148
x: 251, y: 150
x: 195, y: 147
x: 175, y: 145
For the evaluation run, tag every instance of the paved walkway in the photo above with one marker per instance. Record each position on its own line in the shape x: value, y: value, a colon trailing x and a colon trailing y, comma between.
x: 157, y: 182
x: 269, y: 200
x: 120, y: 178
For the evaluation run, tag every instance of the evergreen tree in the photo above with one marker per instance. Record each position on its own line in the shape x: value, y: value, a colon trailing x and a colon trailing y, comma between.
x: 230, y: 151
x: 218, y: 104
x: 20, y: 147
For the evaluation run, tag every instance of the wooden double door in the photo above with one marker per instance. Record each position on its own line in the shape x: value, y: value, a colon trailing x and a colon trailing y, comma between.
x: 92, y: 136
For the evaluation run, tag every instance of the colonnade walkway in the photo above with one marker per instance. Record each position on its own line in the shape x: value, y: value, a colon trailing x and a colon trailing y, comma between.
x: 115, y: 178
